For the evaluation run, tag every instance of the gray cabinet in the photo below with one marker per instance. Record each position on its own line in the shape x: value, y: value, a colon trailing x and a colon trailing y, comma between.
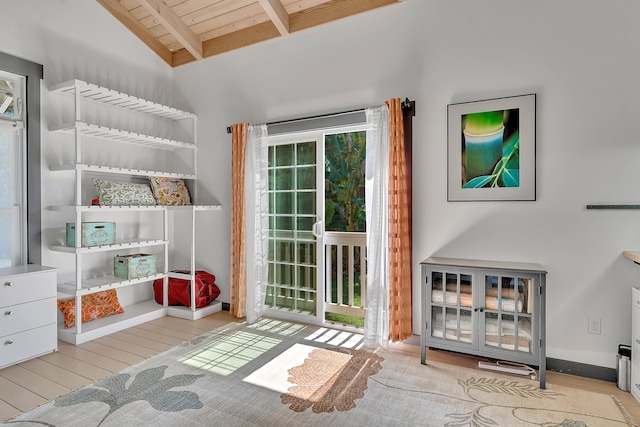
x: 485, y: 308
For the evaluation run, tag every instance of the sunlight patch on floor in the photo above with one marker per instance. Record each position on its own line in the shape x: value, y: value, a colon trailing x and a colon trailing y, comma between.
x: 229, y: 352
x: 274, y: 375
x: 336, y: 338
x: 279, y: 327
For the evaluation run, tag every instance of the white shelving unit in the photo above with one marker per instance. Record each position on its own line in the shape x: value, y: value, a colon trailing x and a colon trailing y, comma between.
x: 78, y: 128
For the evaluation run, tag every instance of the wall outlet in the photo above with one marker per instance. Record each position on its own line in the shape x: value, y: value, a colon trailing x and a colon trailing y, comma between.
x: 594, y: 325
x: 226, y: 306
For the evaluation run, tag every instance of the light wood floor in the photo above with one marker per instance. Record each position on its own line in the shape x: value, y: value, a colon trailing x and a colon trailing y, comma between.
x: 37, y: 381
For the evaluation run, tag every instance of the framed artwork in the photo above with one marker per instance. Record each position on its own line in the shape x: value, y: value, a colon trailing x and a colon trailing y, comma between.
x: 492, y: 149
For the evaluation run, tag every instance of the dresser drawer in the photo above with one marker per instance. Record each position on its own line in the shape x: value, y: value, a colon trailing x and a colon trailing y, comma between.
x: 28, y: 344
x: 17, y: 318
x: 27, y: 287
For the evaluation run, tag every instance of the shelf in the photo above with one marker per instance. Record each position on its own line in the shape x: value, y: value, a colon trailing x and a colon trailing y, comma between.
x: 133, y: 315
x: 98, y: 208
x: 616, y: 207
x: 124, y: 244
x: 195, y: 208
x: 120, y: 171
x: 114, y: 98
x: 186, y: 313
x: 91, y: 286
x: 122, y: 136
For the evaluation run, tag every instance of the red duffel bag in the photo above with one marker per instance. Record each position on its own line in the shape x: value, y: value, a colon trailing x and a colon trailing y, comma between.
x: 180, y: 289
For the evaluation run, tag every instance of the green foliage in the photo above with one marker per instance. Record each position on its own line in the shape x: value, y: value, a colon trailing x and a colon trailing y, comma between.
x: 345, y: 155
x: 506, y: 173
x: 484, y: 123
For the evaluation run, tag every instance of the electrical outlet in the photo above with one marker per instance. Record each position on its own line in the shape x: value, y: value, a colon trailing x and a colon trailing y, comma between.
x: 594, y: 325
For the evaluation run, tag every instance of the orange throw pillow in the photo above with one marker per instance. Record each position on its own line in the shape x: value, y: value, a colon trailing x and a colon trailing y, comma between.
x: 94, y: 306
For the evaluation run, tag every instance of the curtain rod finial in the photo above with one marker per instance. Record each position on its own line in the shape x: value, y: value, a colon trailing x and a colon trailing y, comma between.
x: 228, y: 129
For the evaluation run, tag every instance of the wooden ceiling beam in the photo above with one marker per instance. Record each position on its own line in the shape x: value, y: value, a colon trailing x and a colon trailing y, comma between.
x: 132, y: 24
x: 229, y: 42
x: 278, y: 14
x: 332, y: 10
x: 172, y: 22
x: 317, y: 15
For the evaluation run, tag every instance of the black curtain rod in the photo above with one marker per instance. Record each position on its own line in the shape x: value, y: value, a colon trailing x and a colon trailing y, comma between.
x: 407, y: 106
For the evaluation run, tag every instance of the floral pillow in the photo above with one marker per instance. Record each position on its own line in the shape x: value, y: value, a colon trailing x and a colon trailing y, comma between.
x: 112, y: 193
x: 94, y: 306
x: 170, y: 191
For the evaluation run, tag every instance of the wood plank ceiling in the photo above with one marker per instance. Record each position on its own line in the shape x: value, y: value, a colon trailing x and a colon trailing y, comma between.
x: 182, y: 31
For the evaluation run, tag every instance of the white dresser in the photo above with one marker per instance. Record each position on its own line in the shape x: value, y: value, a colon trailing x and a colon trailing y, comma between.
x: 28, y: 313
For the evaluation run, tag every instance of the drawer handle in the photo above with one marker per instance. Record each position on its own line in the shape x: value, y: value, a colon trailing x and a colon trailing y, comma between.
x: 8, y: 313
x: 9, y: 342
x: 8, y: 284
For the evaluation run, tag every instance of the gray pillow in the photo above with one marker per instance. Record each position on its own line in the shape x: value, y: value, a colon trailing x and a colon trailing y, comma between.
x: 111, y: 193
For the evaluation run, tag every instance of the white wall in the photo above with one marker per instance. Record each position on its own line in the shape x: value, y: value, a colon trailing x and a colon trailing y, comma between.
x: 581, y: 59
x: 579, y: 56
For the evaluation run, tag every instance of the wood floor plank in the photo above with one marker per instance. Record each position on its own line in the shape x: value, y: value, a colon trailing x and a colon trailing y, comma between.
x: 33, y: 382
x: 181, y: 325
x: 8, y: 411
x: 182, y: 335
x: 18, y: 396
x: 96, y: 359
x: 156, y: 346
x: 81, y: 368
x: 127, y: 346
x: 116, y: 354
x: 155, y: 336
x: 64, y: 377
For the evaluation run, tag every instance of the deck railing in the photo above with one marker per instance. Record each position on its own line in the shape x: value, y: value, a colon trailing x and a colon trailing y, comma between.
x: 345, y: 272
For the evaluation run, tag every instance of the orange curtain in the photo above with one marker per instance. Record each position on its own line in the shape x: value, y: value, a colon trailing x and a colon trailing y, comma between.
x: 238, y: 279
x: 399, y: 238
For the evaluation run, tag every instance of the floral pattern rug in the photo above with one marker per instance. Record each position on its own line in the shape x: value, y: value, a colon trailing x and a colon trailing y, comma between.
x: 275, y: 373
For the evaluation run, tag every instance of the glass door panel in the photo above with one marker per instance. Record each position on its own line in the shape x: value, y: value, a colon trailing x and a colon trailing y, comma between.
x: 452, y: 306
x: 292, y: 213
x: 506, y: 313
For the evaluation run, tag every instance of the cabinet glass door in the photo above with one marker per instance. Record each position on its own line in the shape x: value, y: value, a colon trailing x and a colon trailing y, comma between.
x: 508, y: 308
x: 451, y: 306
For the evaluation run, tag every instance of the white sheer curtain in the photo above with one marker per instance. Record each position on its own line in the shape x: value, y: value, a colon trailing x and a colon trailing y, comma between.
x: 256, y: 186
x: 376, y: 318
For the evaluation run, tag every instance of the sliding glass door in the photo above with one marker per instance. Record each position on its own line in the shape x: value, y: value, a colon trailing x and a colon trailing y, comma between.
x: 294, y: 222
x: 317, y: 216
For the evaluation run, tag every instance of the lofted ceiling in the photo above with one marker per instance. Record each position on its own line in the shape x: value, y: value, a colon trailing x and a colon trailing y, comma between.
x: 182, y: 31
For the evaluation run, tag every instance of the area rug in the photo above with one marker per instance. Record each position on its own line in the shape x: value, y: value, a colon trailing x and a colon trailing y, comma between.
x: 277, y: 373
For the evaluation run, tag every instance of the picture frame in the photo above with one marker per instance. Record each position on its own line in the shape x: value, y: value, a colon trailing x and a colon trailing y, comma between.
x: 491, y: 153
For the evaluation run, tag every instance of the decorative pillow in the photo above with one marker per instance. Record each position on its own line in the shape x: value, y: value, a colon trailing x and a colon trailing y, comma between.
x: 112, y: 193
x: 94, y: 306
x: 170, y: 191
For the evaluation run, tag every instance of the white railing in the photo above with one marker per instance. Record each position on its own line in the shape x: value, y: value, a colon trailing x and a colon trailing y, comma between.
x: 347, y: 250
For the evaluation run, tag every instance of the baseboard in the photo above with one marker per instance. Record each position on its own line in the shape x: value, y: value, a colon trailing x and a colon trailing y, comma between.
x: 582, y: 369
